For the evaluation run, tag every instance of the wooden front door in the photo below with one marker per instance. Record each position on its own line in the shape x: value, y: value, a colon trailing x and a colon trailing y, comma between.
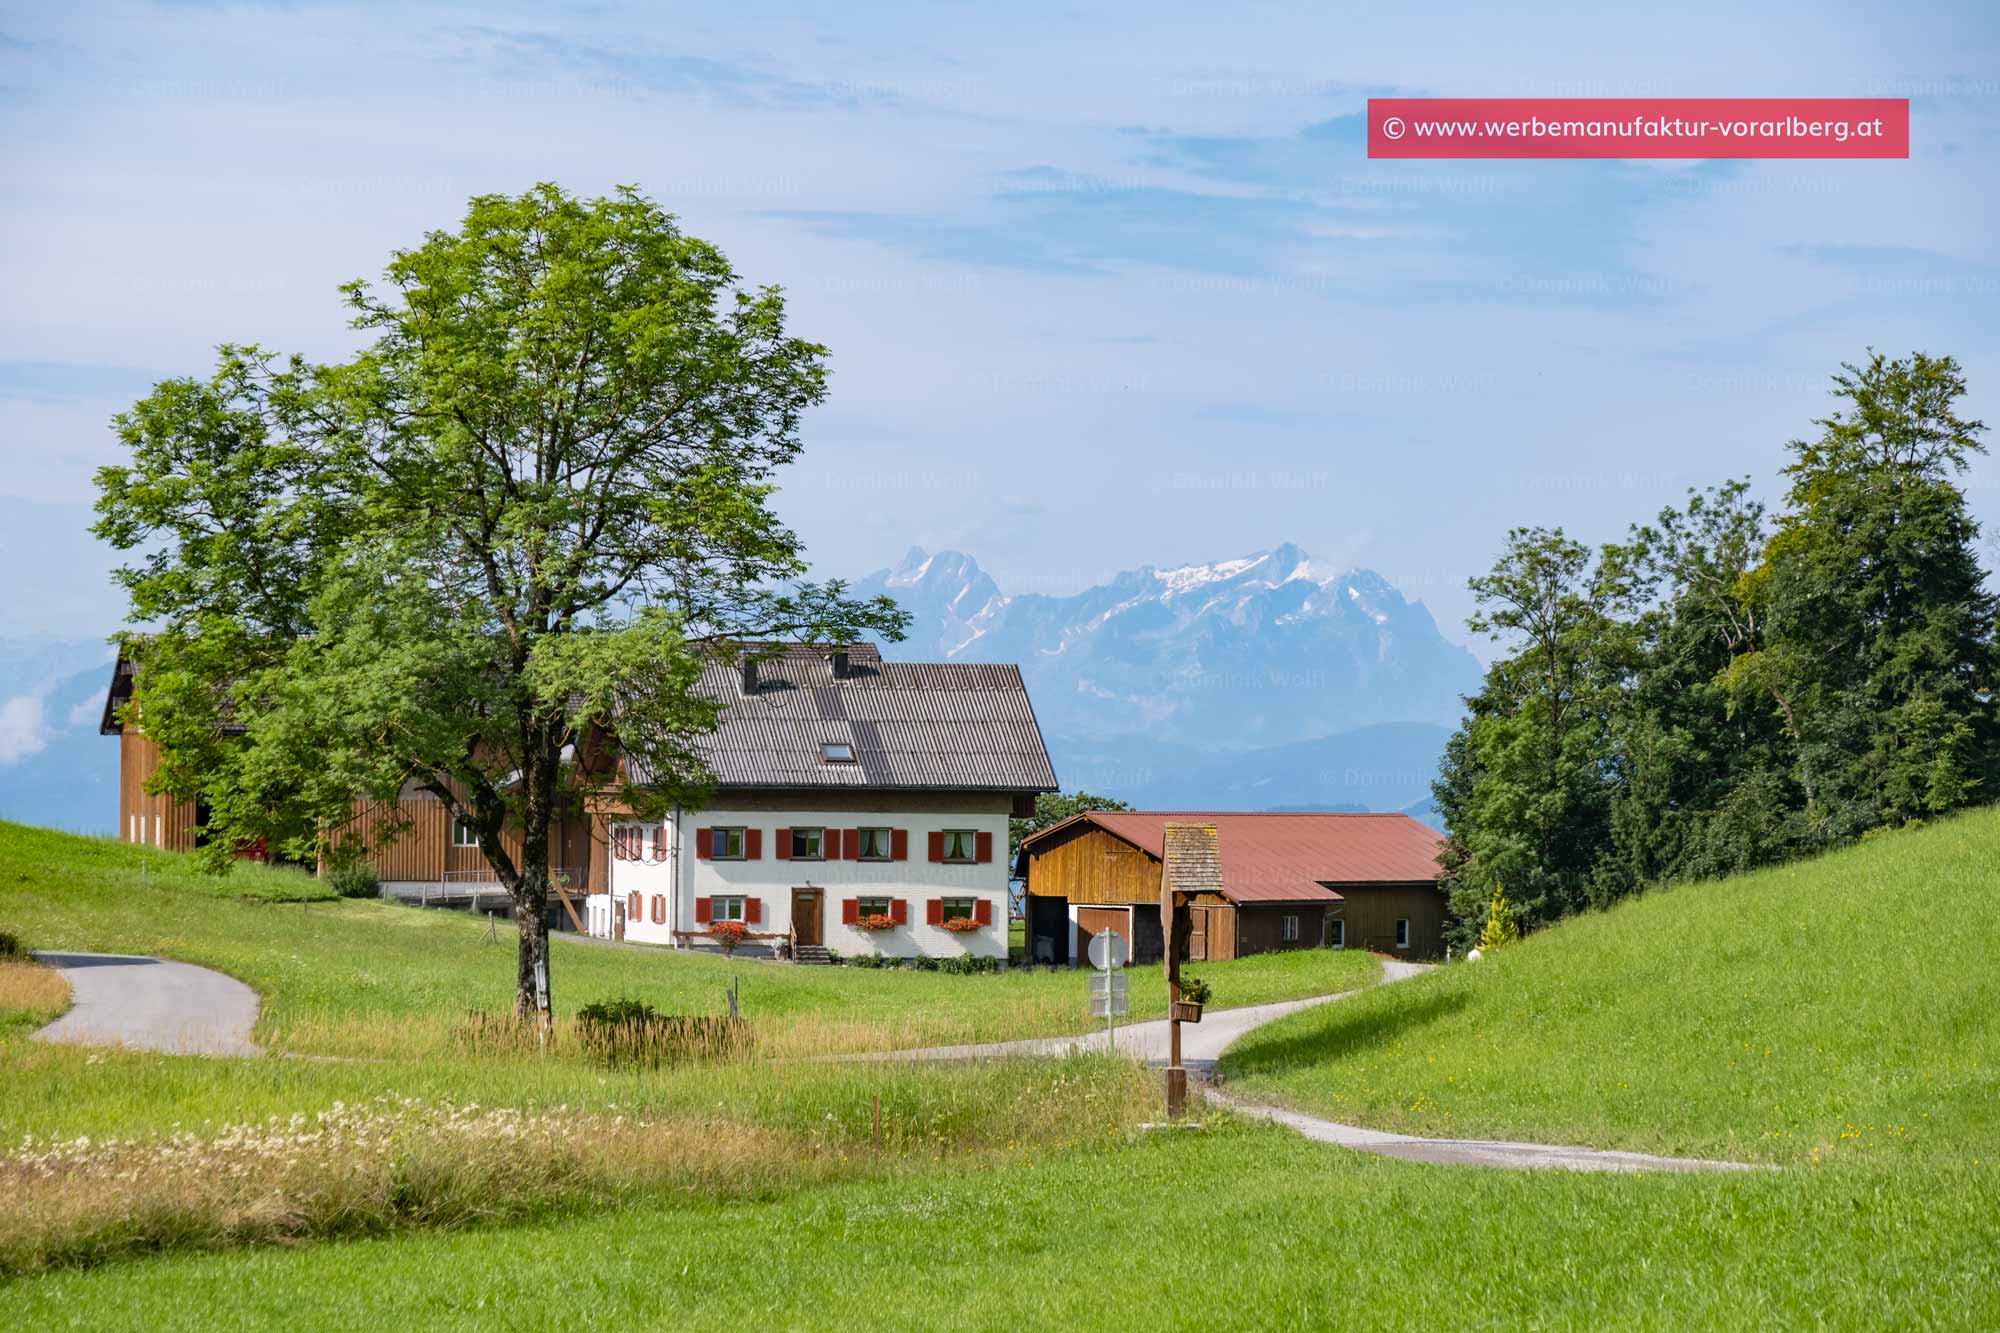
x: 806, y: 906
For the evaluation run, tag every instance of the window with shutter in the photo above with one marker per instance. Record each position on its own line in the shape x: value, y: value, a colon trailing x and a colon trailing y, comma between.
x: 982, y: 912
x: 960, y: 846
x: 702, y: 907
x: 985, y: 848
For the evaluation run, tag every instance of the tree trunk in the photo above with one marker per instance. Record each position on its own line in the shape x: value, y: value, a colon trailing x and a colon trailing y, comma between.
x: 531, y: 891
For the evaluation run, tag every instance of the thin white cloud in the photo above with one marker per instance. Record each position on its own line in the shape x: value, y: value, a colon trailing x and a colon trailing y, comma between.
x: 23, y: 728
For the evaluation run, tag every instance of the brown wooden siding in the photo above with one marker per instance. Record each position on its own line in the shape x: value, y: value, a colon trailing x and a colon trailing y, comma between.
x: 1088, y: 865
x: 162, y: 821
x: 1371, y: 912
x: 1260, y: 927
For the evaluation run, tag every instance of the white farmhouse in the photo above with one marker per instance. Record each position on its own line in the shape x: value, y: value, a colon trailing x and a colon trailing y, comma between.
x: 860, y: 806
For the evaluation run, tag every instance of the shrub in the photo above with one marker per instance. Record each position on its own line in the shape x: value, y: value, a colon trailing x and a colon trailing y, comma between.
x: 729, y: 934
x: 356, y: 879
x: 10, y: 945
x: 1194, y: 990
x: 1500, y: 926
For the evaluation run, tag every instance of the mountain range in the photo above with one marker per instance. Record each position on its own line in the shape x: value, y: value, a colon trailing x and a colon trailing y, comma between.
x: 1267, y: 681
x: 1259, y: 683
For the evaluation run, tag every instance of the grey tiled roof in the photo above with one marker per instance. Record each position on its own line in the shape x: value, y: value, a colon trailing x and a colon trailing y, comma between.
x: 941, y: 725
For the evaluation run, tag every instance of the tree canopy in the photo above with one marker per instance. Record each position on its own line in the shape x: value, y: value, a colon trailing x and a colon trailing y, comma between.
x: 1730, y: 687
x: 514, y: 522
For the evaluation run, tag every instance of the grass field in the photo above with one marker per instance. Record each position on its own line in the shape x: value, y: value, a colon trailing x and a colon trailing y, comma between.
x: 1809, y: 1017
x: 1846, y: 1008
x: 1235, y: 1228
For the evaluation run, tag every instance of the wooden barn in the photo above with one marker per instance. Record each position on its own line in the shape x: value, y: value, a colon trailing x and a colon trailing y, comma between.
x: 1290, y: 881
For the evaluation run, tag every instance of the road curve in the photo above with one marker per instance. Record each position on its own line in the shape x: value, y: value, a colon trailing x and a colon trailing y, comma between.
x: 1202, y: 1045
x: 152, y: 1004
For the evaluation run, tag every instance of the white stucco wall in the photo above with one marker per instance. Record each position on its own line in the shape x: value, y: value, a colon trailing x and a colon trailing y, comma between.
x: 915, y: 880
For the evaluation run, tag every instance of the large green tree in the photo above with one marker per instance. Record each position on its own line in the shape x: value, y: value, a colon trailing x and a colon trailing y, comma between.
x: 515, y: 521
x: 1882, y: 648
x: 1527, y: 782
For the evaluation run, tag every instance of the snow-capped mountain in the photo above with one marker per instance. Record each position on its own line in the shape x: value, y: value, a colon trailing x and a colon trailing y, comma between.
x: 1199, y: 660
x: 1256, y: 651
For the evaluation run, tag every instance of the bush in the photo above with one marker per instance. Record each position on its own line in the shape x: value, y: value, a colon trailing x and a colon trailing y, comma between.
x: 729, y: 934
x: 632, y: 1032
x: 356, y: 879
x: 10, y: 945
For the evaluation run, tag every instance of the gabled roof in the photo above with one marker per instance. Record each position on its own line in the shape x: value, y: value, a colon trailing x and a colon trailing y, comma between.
x: 935, y: 725
x: 1285, y: 857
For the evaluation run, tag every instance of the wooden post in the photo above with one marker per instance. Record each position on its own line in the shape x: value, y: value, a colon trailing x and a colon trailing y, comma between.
x: 1191, y: 865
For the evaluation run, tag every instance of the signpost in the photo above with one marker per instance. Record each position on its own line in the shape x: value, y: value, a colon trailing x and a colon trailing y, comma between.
x: 1108, y: 984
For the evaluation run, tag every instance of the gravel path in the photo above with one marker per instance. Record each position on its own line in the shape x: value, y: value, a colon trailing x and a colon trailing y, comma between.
x: 151, y: 1004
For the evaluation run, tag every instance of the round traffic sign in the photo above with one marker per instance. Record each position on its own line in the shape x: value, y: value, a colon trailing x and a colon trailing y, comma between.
x: 1107, y: 950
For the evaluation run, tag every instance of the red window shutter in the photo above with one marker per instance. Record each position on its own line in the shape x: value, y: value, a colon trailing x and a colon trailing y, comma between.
x: 937, y: 847
x: 851, y: 841
x: 985, y: 848
x: 899, y: 844
x: 753, y: 844
x: 753, y: 910
x: 934, y: 909
x: 634, y: 909
x: 850, y: 911
x: 829, y: 844
x: 982, y: 911
x: 782, y: 845
x: 899, y: 910
x: 704, y: 843
x: 702, y: 907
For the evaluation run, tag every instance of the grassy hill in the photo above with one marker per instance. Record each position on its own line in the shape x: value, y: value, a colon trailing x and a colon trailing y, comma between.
x: 1838, y: 1009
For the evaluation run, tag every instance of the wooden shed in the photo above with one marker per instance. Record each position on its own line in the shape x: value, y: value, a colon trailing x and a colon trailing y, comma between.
x: 1290, y: 881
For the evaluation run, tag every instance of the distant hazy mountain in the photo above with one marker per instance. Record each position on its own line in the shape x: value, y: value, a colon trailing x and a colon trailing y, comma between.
x: 55, y: 769
x: 1252, y: 683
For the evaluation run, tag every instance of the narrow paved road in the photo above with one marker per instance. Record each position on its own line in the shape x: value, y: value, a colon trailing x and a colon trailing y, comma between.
x: 1202, y: 1046
x: 151, y: 1004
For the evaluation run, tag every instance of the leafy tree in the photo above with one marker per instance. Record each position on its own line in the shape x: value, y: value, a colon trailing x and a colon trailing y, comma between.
x: 1052, y: 808
x: 516, y: 521
x: 1527, y: 783
x: 1882, y: 649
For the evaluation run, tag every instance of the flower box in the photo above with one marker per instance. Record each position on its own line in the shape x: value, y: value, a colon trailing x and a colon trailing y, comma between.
x: 961, y: 925
x: 1187, y: 1011
x: 876, y: 921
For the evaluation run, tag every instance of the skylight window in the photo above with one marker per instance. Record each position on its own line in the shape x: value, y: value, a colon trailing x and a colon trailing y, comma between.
x: 837, y: 752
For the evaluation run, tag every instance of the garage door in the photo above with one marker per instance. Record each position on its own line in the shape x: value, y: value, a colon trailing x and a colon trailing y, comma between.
x: 1091, y: 920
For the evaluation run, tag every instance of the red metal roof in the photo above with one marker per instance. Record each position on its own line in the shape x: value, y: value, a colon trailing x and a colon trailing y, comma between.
x: 1288, y: 857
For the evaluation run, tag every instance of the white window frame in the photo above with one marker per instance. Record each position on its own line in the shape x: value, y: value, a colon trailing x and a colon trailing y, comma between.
x: 818, y: 853
x: 1402, y: 932
x: 887, y: 900
x: 464, y: 835
x: 971, y: 912
x: 718, y: 843
x: 1337, y: 927
x: 863, y: 838
x: 1288, y: 928
x: 964, y: 838
x: 726, y: 907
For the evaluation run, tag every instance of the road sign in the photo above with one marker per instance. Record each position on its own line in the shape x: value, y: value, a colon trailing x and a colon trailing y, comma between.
x: 1107, y: 984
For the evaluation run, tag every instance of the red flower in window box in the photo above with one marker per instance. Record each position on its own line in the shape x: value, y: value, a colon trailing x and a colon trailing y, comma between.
x: 729, y: 934
x: 876, y: 921
x: 961, y: 925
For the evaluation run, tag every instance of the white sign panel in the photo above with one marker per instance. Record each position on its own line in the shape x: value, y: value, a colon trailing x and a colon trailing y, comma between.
x: 1107, y: 950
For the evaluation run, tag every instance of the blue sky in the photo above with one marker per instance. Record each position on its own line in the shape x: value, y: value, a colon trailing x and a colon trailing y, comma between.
x: 1104, y: 286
